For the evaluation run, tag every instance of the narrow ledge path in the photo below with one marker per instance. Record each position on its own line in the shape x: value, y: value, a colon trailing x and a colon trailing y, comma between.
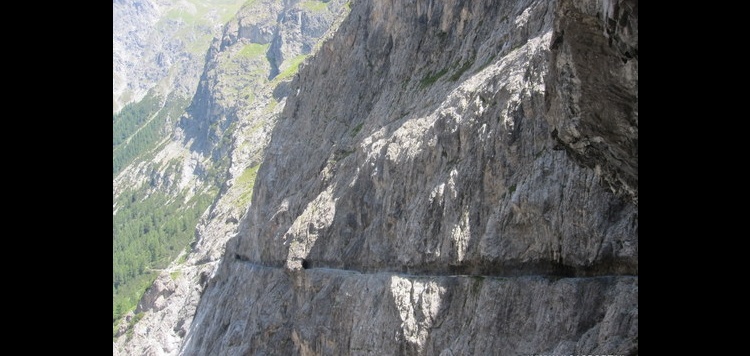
x: 551, y: 271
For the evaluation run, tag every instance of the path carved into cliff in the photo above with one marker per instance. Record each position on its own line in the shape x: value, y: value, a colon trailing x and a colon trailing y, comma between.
x: 542, y: 269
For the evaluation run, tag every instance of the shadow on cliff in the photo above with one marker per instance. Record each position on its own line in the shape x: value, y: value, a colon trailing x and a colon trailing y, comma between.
x: 375, y: 206
x: 389, y: 81
x: 444, y: 314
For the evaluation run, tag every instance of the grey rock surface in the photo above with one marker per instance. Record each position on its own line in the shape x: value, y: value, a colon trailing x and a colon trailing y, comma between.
x: 263, y: 310
x: 225, y: 129
x: 445, y: 178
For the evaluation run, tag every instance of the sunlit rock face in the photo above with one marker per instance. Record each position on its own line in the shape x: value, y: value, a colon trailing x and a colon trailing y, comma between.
x: 446, y: 178
x: 220, y: 139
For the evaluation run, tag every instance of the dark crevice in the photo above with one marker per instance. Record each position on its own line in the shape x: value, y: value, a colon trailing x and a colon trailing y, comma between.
x: 548, y: 269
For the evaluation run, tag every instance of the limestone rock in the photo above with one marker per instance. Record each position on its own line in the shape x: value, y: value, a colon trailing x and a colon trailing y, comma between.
x: 225, y: 129
x: 445, y: 178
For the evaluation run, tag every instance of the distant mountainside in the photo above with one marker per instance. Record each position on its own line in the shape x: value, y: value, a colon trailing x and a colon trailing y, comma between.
x: 387, y: 178
x: 184, y: 160
x: 161, y: 44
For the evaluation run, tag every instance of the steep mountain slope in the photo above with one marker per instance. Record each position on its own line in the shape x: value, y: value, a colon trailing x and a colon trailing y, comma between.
x: 445, y: 178
x: 162, y: 43
x: 213, y: 149
x: 159, y: 188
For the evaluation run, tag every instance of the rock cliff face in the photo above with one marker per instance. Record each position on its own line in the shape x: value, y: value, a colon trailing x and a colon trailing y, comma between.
x: 446, y: 178
x: 220, y: 140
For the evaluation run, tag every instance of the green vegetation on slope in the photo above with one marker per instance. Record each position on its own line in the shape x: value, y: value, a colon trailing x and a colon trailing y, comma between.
x: 432, y: 78
x: 148, y: 229
x: 291, y: 69
x: 462, y: 69
x: 254, y: 50
x: 131, y: 117
x: 201, y: 12
x: 143, y: 138
x: 148, y: 232
x: 314, y: 6
x: 246, y: 182
x: 191, y: 21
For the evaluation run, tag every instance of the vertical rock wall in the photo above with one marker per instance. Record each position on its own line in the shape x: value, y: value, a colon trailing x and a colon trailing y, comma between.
x: 223, y: 134
x: 446, y: 178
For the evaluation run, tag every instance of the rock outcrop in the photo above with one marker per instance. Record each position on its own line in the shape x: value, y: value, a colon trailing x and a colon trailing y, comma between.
x: 446, y: 178
x: 221, y: 137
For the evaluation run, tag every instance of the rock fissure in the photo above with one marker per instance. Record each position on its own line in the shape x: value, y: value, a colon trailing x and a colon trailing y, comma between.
x: 545, y: 269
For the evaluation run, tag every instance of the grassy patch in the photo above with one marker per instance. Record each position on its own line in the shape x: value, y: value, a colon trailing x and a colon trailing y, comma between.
x: 200, y: 45
x: 183, y: 15
x: 197, y: 13
x: 229, y: 8
x: 431, y: 79
x: 314, y: 6
x: 267, y: 110
x: 342, y: 154
x: 252, y: 50
x: 248, y: 176
x: 127, y: 296
x: 292, y: 66
x: 182, y: 259
x: 461, y: 70
x: 246, y: 181
x: 356, y: 129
